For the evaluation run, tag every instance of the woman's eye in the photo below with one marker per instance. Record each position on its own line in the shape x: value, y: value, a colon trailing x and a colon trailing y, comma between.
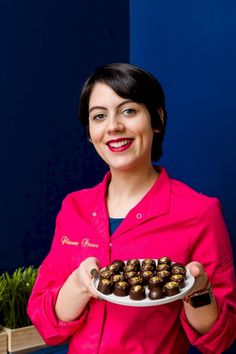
x: 99, y: 116
x: 128, y: 112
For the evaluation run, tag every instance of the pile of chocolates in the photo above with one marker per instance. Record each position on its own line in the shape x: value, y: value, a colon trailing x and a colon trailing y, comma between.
x: 139, y: 279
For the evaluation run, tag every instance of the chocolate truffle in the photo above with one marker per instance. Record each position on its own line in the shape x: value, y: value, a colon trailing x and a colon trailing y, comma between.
x: 121, y: 288
x: 133, y: 262
x: 155, y: 282
x: 119, y: 263
x: 105, y: 286
x: 117, y: 277
x: 114, y: 268
x: 146, y: 275
x: 165, y: 275
x: 163, y: 266
x: 178, y: 278
x: 179, y: 270
x: 156, y: 293
x: 165, y: 260
x: 130, y: 268
x: 106, y: 274
x: 147, y: 266
x: 178, y: 264
x: 149, y: 261
x: 137, y: 292
x: 135, y: 280
x: 171, y: 288
x: 129, y: 275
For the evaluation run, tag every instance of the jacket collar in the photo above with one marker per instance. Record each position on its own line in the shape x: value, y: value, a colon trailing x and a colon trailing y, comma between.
x: 154, y: 204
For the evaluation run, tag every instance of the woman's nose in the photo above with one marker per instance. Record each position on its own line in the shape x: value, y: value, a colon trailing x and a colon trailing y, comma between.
x: 115, y: 125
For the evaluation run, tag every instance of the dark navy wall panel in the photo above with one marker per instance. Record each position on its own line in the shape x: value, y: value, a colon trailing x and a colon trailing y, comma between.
x: 47, y: 50
x: 190, y: 45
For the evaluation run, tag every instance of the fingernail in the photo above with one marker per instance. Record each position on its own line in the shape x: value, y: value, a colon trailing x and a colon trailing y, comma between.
x: 94, y: 273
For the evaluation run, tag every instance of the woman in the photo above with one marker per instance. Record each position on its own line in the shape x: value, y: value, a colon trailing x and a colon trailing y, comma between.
x: 137, y: 211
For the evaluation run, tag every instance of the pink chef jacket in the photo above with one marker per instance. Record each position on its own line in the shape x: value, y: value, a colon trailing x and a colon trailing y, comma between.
x: 171, y: 220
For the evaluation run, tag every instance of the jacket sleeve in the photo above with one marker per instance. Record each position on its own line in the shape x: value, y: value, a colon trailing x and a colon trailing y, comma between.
x: 53, y: 272
x: 211, y: 246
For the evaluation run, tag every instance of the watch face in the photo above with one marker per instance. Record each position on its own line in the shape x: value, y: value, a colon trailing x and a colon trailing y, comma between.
x: 199, y: 300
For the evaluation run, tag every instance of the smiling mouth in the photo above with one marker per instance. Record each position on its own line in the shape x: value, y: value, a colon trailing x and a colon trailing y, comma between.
x: 119, y: 145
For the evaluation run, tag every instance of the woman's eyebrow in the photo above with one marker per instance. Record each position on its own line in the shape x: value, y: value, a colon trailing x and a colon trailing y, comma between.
x: 101, y: 107
x: 96, y: 107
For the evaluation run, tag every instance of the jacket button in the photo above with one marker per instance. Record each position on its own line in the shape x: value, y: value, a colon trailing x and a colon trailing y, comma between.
x: 139, y: 215
x: 94, y: 213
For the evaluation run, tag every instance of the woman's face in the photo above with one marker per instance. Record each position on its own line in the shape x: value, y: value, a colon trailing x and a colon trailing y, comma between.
x: 120, y: 129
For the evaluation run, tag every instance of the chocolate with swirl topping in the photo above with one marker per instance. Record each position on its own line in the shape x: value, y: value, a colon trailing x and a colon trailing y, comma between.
x: 113, y: 268
x: 130, y: 268
x: 137, y: 292
x: 148, y: 264
x: 179, y: 270
x: 133, y: 262
x: 117, y: 277
x: 163, y: 266
x: 105, y: 286
x: 177, y: 264
x: 155, y: 282
x: 106, y: 274
x: 171, y: 288
x: 165, y: 275
x: 119, y: 264
x: 135, y: 280
x: 165, y: 260
x: 146, y: 275
x: 129, y: 275
x: 121, y: 288
x: 178, y: 278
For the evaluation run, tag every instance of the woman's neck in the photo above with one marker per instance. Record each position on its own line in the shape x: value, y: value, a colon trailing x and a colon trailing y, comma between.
x: 126, y: 190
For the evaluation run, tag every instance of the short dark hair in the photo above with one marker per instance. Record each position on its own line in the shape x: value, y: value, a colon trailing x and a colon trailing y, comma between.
x: 132, y: 82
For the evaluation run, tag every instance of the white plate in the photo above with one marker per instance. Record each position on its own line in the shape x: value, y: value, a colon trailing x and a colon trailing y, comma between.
x: 126, y: 301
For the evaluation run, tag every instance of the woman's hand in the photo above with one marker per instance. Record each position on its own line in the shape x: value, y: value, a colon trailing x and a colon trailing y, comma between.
x: 201, y: 278
x: 87, y: 270
x: 202, y: 318
x: 76, y: 291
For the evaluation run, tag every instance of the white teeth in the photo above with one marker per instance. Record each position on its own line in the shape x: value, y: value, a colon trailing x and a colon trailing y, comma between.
x: 119, y: 143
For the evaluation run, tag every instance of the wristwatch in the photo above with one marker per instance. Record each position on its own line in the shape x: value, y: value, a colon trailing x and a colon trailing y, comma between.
x: 201, y: 297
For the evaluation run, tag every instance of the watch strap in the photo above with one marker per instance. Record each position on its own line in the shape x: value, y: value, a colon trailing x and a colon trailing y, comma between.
x: 207, y: 289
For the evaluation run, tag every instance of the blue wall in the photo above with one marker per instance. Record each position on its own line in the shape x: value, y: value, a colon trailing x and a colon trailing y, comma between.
x: 48, y: 48
x: 191, y: 47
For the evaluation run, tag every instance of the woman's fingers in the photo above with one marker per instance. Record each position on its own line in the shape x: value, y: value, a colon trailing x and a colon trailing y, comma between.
x: 91, y: 265
x: 89, y: 269
x: 94, y: 273
x: 201, y: 278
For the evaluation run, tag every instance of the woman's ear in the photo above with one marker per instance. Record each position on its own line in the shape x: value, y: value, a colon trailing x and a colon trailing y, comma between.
x: 88, y: 134
x: 161, y: 116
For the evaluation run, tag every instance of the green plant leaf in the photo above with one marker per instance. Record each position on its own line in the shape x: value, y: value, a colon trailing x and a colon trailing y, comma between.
x: 15, y: 291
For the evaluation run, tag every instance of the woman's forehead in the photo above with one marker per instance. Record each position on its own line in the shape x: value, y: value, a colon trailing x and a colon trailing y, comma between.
x: 103, y: 95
